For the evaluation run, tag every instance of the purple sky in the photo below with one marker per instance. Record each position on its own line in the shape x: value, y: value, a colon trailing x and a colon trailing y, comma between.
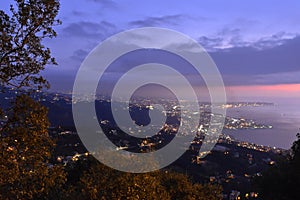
x: 252, y: 42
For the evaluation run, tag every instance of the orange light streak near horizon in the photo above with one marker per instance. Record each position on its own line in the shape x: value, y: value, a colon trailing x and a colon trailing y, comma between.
x: 285, y: 90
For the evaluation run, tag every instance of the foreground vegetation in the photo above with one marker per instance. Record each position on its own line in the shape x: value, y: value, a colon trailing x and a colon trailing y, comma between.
x: 26, y: 148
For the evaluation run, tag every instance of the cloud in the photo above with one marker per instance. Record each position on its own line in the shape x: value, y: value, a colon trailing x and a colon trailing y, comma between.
x: 248, y: 65
x: 158, y: 21
x: 85, y: 29
x: 274, y: 40
x: 276, y: 61
x: 270, y: 59
x: 252, y: 61
x: 79, y: 55
x: 227, y: 39
x: 210, y: 44
x: 224, y: 39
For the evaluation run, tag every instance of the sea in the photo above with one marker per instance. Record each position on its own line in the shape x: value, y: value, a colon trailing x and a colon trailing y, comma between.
x: 284, y: 116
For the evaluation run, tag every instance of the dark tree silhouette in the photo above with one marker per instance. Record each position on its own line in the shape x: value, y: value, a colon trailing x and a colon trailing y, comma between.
x: 89, y: 179
x: 22, y: 53
x: 25, y: 146
x: 25, y: 151
x: 281, y: 182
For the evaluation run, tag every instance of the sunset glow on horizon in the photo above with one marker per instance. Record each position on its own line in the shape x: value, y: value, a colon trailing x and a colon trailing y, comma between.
x: 280, y: 90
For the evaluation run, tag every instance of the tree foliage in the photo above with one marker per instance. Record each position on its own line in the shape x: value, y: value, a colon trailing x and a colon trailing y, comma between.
x: 282, y: 180
x: 25, y: 150
x: 25, y: 146
x: 89, y: 179
x: 22, y: 53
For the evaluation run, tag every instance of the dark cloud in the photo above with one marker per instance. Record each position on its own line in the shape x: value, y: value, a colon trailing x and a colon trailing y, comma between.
x: 250, y: 60
x: 157, y: 21
x: 269, y: 42
x: 79, y: 55
x: 210, y: 43
x: 250, y: 65
x: 269, y: 60
x: 85, y: 29
x: 226, y: 38
x: 232, y: 38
